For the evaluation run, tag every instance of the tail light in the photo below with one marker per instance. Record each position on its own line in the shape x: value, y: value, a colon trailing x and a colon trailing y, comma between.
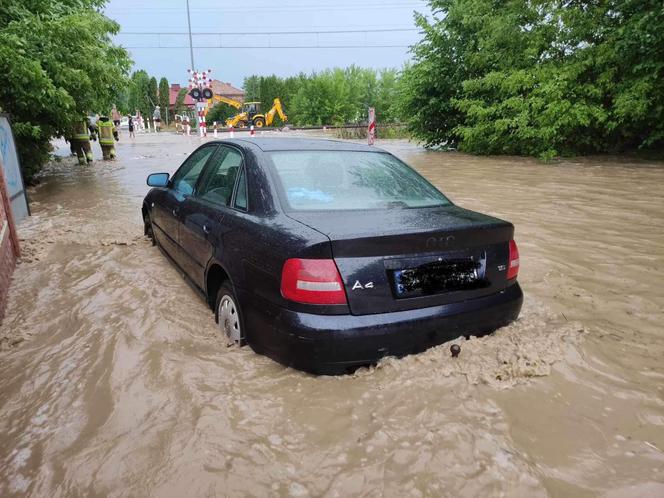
x: 312, y: 281
x: 513, y: 264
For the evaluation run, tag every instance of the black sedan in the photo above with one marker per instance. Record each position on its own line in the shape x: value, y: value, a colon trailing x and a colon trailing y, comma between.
x: 329, y: 255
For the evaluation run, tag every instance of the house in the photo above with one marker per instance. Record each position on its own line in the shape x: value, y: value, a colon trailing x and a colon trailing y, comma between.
x: 227, y: 90
x: 173, y: 95
x: 218, y: 88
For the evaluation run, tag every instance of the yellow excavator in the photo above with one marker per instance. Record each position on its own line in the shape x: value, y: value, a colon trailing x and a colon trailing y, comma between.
x: 250, y: 113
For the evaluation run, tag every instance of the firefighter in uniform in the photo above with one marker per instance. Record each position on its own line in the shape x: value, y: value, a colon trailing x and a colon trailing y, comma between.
x: 108, y: 135
x: 80, y: 142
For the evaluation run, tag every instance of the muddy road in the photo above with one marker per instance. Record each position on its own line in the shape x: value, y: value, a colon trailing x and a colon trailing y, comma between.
x: 114, y: 380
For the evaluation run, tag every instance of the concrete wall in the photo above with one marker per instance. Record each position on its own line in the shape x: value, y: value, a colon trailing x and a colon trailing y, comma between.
x: 9, y: 248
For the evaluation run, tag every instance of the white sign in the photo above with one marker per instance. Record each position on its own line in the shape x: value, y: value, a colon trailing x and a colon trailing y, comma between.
x: 12, y: 171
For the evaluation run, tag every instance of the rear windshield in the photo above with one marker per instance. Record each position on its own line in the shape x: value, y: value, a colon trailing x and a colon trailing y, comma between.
x: 338, y: 180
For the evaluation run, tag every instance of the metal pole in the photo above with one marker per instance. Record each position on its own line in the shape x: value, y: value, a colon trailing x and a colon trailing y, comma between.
x: 191, y: 45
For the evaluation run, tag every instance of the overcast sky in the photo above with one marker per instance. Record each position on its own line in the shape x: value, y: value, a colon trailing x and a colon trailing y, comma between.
x: 244, y: 24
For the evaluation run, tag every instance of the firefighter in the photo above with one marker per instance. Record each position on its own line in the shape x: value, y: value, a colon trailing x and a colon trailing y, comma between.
x: 108, y: 135
x: 80, y: 142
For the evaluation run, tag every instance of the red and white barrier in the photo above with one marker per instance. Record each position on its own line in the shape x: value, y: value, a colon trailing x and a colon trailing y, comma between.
x: 371, y: 130
x: 252, y: 132
x: 231, y: 132
x: 202, y: 127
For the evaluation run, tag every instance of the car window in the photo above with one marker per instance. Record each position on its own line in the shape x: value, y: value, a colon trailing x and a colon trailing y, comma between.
x: 184, y: 180
x: 338, y: 180
x: 219, y: 182
x: 241, y: 193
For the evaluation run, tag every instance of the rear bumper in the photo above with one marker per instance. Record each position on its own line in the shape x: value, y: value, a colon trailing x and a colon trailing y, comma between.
x: 337, y: 344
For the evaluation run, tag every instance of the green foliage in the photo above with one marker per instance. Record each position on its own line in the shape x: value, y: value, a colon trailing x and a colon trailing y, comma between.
x: 57, y: 63
x: 538, y: 78
x: 139, y: 93
x: 153, y: 94
x: 164, y: 102
x: 331, y: 97
x: 180, y: 108
x: 220, y: 112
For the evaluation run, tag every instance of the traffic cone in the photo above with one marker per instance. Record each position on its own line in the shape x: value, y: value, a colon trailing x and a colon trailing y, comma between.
x: 215, y: 129
x: 231, y: 132
x: 252, y: 133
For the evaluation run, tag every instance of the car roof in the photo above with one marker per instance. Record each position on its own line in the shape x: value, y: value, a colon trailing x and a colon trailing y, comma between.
x: 268, y: 144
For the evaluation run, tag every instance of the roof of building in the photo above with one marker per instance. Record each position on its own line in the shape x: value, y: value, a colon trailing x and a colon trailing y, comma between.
x: 173, y: 95
x: 222, y: 88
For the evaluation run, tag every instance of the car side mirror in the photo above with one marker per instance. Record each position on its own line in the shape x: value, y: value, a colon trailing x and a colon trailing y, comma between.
x: 158, y: 180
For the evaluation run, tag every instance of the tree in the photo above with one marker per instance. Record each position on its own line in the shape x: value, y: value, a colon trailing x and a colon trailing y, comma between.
x: 164, y: 99
x: 153, y: 94
x: 139, y: 93
x: 251, y: 88
x: 220, y: 112
x: 180, y: 108
x: 57, y: 63
x: 538, y: 78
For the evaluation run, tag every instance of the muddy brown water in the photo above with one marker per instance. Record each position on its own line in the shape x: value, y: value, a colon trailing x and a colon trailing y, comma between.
x: 115, y: 382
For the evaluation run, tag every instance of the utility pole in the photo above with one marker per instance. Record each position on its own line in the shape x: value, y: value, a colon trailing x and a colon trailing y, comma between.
x: 191, y: 45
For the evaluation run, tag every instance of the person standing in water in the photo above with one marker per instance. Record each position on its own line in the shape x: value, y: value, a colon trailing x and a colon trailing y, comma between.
x: 131, y: 127
x: 80, y: 141
x: 107, y: 137
x: 156, y: 117
x: 116, y: 117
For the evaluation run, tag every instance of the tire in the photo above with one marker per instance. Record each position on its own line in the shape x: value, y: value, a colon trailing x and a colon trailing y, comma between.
x: 148, y: 229
x: 241, y: 124
x: 228, y: 315
x: 259, y: 122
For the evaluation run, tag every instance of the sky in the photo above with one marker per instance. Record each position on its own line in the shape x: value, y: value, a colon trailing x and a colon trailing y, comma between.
x: 264, y: 37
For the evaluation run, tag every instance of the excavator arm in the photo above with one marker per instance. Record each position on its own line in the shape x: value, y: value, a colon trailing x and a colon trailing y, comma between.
x: 226, y: 100
x: 276, y: 109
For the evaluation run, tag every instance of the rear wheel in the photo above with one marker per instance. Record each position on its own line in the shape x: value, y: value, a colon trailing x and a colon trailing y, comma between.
x: 228, y: 316
x: 259, y: 122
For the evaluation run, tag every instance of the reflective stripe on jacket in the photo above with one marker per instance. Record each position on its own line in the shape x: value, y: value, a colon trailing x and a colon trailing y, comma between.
x: 106, y: 132
x: 81, y: 131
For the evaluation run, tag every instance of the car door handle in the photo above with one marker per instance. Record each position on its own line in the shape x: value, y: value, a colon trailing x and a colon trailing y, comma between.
x: 206, y: 229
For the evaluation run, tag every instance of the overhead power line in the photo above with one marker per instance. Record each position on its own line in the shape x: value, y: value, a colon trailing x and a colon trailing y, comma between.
x: 245, y: 33
x: 246, y: 10
x: 225, y: 47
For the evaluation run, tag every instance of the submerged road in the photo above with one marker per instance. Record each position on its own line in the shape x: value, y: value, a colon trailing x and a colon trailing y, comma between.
x: 114, y: 380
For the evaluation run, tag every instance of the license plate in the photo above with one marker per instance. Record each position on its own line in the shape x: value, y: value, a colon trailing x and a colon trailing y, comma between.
x: 438, y: 277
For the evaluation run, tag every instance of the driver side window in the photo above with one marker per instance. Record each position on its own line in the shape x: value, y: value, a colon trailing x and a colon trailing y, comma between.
x: 184, y: 180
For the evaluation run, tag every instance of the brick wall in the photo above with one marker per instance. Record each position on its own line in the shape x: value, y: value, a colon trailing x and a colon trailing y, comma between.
x: 9, y: 249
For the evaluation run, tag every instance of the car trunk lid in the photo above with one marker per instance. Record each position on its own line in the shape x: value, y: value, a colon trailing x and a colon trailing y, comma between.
x: 400, y: 259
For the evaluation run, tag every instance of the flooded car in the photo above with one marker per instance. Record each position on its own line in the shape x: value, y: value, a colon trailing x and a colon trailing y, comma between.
x: 327, y: 255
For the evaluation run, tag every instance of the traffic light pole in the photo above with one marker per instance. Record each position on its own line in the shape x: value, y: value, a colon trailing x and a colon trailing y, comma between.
x: 191, y: 44
x: 200, y: 90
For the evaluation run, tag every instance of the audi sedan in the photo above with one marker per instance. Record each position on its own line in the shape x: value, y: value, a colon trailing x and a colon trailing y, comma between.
x: 328, y: 255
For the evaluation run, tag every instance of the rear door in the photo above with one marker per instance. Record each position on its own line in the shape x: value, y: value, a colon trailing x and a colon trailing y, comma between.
x: 169, y: 203
x: 205, y: 214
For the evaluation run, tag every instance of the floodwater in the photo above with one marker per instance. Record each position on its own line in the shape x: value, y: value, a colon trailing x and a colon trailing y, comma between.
x: 115, y: 382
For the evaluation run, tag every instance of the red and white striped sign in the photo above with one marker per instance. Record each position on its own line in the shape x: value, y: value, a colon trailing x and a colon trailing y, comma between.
x: 202, y: 126
x: 371, y: 130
